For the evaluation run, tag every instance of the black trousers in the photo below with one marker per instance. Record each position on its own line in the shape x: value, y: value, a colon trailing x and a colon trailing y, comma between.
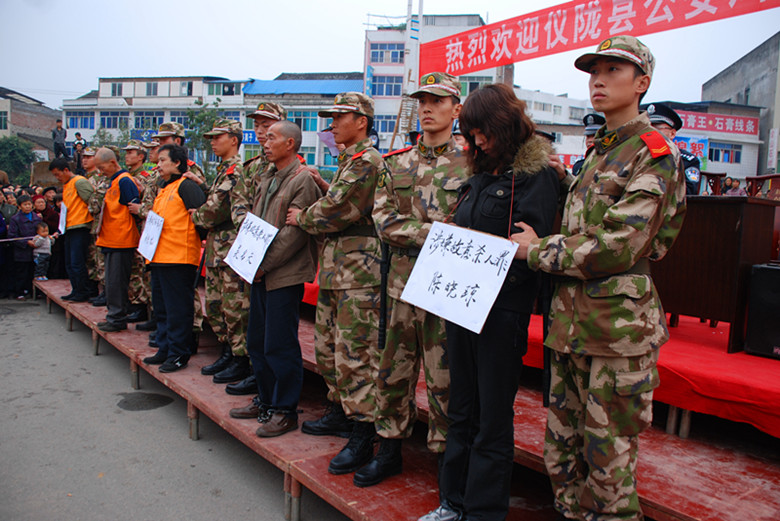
x: 476, y: 471
x: 172, y: 299
x: 23, y: 271
x: 76, y: 248
x: 118, y: 264
x: 272, y: 343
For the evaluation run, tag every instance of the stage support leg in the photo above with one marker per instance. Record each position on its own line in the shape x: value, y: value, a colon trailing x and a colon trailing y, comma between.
x: 671, y: 419
x: 713, y: 323
x: 674, y: 320
x: 685, y: 425
x: 68, y: 321
x: 194, y: 415
x: 135, y: 380
x: 287, y: 496
x: 96, y: 342
x: 295, y: 502
x: 48, y: 304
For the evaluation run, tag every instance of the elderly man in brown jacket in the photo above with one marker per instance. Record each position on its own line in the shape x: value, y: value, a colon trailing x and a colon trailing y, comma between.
x: 291, y: 260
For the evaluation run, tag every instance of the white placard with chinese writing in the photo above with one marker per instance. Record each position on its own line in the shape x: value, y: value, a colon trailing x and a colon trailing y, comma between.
x: 147, y: 245
x: 458, y: 274
x: 253, y: 239
x: 63, y: 218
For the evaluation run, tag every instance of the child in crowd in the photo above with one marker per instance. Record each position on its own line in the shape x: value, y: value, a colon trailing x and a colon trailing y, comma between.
x: 23, y: 226
x: 42, y: 250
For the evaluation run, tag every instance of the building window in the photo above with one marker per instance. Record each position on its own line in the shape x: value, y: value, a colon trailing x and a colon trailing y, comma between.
x: 148, y: 119
x: 235, y: 115
x: 224, y: 89
x: 387, y: 53
x: 151, y: 88
x: 387, y: 86
x: 251, y: 151
x: 114, y: 119
x: 557, y: 110
x: 180, y: 116
x: 544, y: 107
x: 80, y: 119
x: 469, y: 84
x: 725, y: 152
x: 185, y: 88
x: 3, y: 120
x: 306, y: 119
x: 308, y: 154
x: 116, y: 89
x: 229, y: 89
x: 329, y: 160
x: 576, y: 113
x: 384, y: 123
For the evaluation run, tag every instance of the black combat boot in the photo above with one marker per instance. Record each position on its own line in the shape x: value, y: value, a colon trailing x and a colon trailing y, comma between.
x: 333, y: 423
x: 357, y: 452
x: 246, y: 386
x: 237, y: 370
x: 386, y: 463
x: 221, y: 363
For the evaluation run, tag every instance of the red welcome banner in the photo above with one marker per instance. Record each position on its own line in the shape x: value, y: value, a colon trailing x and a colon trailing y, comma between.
x: 570, y: 26
x: 719, y: 123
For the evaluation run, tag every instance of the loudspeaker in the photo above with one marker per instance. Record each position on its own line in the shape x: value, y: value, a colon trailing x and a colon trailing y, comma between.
x: 763, y: 326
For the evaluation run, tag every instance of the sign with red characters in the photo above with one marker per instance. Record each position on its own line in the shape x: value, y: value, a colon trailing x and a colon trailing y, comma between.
x: 719, y: 123
x: 573, y: 25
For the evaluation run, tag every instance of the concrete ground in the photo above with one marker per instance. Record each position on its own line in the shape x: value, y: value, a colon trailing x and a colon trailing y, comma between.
x: 78, y: 443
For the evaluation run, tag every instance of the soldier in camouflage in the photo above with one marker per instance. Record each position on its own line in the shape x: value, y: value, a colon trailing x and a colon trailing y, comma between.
x: 227, y: 294
x: 421, y: 188
x: 606, y: 323
x: 348, y: 303
x: 140, y: 287
x: 95, y: 261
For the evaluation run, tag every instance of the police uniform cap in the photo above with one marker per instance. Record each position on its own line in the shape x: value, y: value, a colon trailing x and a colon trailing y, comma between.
x: 593, y: 122
x: 660, y: 113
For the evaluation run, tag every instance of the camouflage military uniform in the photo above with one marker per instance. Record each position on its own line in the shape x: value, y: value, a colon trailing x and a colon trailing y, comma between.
x: 139, y: 290
x: 227, y: 294
x: 253, y: 168
x: 421, y: 188
x: 96, y: 264
x: 626, y: 207
x: 348, y: 301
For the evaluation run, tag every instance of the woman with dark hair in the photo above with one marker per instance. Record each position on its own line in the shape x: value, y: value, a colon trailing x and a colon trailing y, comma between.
x: 175, y: 260
x: 512, y: 182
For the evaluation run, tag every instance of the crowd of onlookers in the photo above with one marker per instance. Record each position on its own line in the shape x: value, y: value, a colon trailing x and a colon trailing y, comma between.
x: 29, y: 221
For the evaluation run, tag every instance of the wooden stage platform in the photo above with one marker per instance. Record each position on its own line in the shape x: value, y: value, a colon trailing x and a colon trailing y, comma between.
x: 679, y: 479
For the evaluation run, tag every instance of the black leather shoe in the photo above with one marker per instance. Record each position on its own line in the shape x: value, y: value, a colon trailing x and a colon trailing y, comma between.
x: 113, y: 327
x: 174, y: 364
x: 357, y: 452
x: 139, y: 315
x: 153, y: 341
x: 333, y: 423
x: 79, y: 298
x: 386, y: 463
x: 149, y: 325
x: 236, y: 371
x: 99, y: 301
x: 67, y: 297
x: 245, y: 386
x: 220, y: 363
x: 99, y: 296
x: 158, y: 358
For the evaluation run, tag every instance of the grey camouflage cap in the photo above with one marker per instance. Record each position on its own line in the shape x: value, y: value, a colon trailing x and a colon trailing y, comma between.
x: 133, y: 144
x: 224, y: 126
x: 266, y: 109
x: 438, y: 84
x: 170, y: 129
x: 624, y: 47
x: 350, y: 102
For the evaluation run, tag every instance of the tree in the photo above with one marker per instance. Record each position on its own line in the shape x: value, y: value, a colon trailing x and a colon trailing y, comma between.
x: 201, y: 120
x: 16, y: 157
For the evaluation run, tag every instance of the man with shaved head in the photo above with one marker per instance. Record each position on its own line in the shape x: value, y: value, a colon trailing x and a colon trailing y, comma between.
x: 117, y: 237
x: 275, y: 295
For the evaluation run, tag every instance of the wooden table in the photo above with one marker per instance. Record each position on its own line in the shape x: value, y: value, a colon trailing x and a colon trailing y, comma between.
x: 707, y: 272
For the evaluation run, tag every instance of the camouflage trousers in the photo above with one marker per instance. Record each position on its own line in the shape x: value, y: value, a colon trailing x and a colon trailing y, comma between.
x: 345, y: 345
x: 227, y: 307
x: 413, y: 334
x: 140, y: 288
x: 598, y: 407
x: 95, y: 262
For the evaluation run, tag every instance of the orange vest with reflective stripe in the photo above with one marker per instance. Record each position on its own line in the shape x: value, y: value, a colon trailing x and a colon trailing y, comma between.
x: 118, y: 228
x: 179, y: 242
x: 78, y: 213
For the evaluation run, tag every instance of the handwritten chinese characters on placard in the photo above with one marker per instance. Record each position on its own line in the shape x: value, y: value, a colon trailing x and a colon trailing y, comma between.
x: 458, y: 274
x: 147, y: 245
x: 253, y: 239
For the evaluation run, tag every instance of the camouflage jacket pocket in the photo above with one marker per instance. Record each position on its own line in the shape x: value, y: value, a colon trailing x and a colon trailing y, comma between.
x: 636, y: 382
x: 403, y: 186
x: 634, y: 286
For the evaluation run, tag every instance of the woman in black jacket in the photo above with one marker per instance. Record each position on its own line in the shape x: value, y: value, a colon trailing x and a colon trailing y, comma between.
x: 512, y: 182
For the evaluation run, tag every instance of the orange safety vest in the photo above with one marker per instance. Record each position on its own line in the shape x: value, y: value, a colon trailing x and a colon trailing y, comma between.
x: 118, y: 228
x: 78, y: 212
x: 179, y: 242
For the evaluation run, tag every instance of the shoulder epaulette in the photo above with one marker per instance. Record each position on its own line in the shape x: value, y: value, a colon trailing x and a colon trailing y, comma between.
x: 395, y: 152
x: 359, y: 154
x: 230, y: 169
x: 190, y: 162
x: 246, y: 163
x: 656, y: 143
x: 301, y: 159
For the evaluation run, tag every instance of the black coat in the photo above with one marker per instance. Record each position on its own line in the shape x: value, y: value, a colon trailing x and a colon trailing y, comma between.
x: 489, y: 204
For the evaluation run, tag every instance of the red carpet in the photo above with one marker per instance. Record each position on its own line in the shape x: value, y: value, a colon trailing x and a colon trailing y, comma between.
x: 698, y: 374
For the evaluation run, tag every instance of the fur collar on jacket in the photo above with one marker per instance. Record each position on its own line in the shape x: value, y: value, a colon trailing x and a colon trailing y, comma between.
x: 532, y: 156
